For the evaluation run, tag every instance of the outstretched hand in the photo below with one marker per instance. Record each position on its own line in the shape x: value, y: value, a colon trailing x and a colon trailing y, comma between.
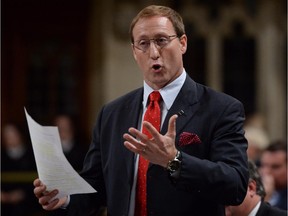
x: 47, y: 198
x: 160, y: 149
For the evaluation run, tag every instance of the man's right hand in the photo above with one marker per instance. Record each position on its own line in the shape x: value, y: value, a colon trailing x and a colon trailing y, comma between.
x: 45, y: 197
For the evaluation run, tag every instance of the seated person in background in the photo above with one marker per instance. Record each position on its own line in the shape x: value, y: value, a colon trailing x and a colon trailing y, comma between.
x: 254, y: 204
x: 257, y: 141
x: 273, y: 169
x: 17, y: 196
x: 72, y: 148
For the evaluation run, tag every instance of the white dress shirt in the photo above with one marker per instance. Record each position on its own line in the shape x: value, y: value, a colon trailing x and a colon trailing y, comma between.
x: 255, y: 209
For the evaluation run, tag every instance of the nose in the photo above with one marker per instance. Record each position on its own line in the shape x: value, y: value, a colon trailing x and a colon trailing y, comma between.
x: 154, y: 50
x: 265, y: 170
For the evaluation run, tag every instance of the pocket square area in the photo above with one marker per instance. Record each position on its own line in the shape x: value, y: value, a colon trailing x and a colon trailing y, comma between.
x: 187, y: 138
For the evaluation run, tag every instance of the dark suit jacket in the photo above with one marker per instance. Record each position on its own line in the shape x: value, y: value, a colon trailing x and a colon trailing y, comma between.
x: 282, y: 199
x: 213, y: 174
x: 267, y: 210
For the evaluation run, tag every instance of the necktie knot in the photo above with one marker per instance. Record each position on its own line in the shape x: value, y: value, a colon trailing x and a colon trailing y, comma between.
x: 155, y: 96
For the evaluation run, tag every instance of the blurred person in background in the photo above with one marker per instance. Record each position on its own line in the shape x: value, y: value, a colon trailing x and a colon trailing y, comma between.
x: 17, y: 198
x: 72, y: 148
x: 257, y: 141
x: 254, y: 204
x: 256, y: 120
x: 273, y: 169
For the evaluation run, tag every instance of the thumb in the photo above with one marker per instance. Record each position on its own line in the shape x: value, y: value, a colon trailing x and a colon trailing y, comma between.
x: 172, y: 126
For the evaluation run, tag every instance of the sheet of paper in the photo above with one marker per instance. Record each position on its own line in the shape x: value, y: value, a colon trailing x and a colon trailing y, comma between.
x: 52, y: 166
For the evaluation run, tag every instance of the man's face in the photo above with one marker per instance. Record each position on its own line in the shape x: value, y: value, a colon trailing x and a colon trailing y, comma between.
x: 274, y: 163
x: 160, y: 66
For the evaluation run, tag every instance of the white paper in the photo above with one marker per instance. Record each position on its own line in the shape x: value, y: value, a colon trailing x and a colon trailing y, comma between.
x: 52, y: 166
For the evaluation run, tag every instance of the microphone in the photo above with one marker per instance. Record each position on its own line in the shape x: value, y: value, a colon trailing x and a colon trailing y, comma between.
x: 180, y: 113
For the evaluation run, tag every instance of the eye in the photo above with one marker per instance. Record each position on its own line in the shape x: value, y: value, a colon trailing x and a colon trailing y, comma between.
x: 161, y: 41
x: 143, y: 42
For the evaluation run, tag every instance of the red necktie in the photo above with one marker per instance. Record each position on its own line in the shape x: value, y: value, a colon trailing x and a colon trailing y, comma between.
x: 152, y: 115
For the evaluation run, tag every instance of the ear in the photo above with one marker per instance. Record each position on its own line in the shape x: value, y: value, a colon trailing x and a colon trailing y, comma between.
x: 252, y: 188
x: 183, y: 43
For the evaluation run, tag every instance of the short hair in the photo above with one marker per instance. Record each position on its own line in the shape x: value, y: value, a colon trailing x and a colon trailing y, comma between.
x: 254, y: 175
x: 278, y: 145
x: 163, y: 11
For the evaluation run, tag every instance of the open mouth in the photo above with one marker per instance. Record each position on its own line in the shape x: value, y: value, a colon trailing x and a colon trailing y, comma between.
x: 156, y: 67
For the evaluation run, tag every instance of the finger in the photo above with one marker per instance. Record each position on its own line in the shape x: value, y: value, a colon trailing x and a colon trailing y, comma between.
x: 37, y: 182
x: 136, y: 150
x: 133, y: 141
x: 130, y: 138
x: 51, y: 205
x: 138, y: 134
x: 152, y: 130
x: 133, y: 144
x: 40, y: 190
x: 134, y: 137
x: 172, y: 126
x: 45, y: 199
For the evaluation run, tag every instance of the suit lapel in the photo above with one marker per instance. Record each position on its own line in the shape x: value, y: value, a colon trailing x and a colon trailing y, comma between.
x: 186, y: 101
x: 130, y: 118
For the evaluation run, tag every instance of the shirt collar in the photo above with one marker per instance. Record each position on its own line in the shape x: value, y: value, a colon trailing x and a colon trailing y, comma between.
x: 169, y: 92
x: 255, y: 209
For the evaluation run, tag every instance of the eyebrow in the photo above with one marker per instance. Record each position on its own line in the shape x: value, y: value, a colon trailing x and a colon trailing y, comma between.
x: 155, y: 36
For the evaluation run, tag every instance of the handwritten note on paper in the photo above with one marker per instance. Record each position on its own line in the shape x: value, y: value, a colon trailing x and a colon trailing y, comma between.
x: 52, y: 166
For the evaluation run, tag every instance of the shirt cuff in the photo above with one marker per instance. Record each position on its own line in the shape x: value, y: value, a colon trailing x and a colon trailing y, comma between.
x: 65, y: 205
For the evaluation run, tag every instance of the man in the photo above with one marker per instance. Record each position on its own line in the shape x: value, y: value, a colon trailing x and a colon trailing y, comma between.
x: 253, y: 204
x: 273, y: 166
x: 198, y: 161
